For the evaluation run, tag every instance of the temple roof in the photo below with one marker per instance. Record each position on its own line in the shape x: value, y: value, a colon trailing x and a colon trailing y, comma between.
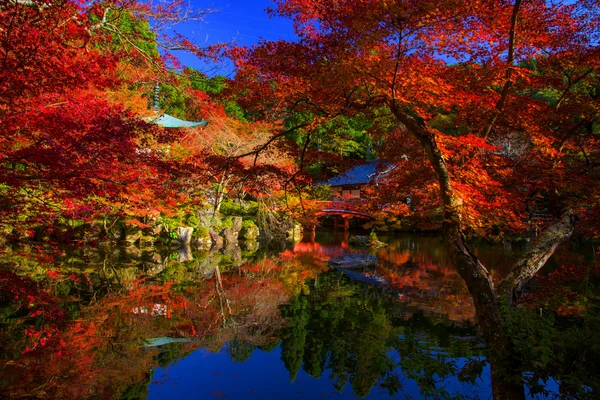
x: 361, y: 174
x: 168, y: 121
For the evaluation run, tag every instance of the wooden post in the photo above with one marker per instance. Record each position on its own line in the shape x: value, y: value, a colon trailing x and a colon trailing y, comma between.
x: 335, y: 222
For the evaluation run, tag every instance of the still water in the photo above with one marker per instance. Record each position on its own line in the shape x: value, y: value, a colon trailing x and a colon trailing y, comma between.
x: 244, y: 323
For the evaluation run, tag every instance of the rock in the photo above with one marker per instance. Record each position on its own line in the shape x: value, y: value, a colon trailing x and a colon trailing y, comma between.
x: 249, y: 231
x: 369, y: 279
x: 210, y: 261
x: 156, y: 230
x: 237, y: 225
x: 185, y: 254
x: 202, y: 243
x: 133, y: 252
x: 132, y: 235
x: 147, y: 241
x: 205, y: 216
x: 251, y: 246
x: 153, y: 263
x: 207, y: 269
x: 360, y: 268
x: 184, y: 234
x: 217, y: 240
x: 229, y: 236
x: 235, y: 252
x: 354, y: 261
x: 363, y: 241
x: 359, y: 241
x: 376, y: 244
x: 202, y: 239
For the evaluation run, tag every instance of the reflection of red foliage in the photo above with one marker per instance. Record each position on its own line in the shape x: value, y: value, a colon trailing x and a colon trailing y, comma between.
x: 43, y: 320
x: 562, y: 291
x: 320, y: 251
x: 430, y: 287
x: 99, y: 353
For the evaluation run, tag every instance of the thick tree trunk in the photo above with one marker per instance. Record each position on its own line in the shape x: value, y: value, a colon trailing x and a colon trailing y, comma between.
x: 506, y: 380
x: 506, y: 376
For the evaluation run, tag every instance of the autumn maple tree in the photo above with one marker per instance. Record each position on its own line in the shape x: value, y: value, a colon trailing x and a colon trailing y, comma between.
x: 494, y: 104
x: 73, y: 143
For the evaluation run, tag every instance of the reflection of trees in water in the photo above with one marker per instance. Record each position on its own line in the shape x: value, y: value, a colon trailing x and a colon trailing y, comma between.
x: 292, y: 348
x: 359, y: 336
x: 431, y: 250
x: 352, y: 334
x: 416, y: 268
x: 424, y: 279
x: 240, y: 351
x: 106, y: 314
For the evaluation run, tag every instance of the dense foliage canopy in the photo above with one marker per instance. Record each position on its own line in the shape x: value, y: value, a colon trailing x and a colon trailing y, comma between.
x: 490, y: 107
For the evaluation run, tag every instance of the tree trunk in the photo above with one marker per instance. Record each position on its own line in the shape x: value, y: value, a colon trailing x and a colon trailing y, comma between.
x: 506, y: 379
x: 506, y: 375
x: 220, y: 194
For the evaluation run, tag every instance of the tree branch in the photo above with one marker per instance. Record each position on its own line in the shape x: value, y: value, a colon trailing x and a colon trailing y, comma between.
x: 476, y: 276
x: 572, y: 82
x: 510, y: 61
x: 542, y: 248
x: 273, y: 138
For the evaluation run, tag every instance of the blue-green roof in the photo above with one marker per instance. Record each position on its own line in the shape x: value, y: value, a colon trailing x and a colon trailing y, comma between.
x: 168, y: 121
x: 160, y: 341
x: 361, y: 174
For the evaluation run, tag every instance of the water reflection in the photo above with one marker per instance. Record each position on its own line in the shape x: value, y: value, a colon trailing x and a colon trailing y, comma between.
x: 364, y: 338
x: 79, y: 323
x: 340, y: 339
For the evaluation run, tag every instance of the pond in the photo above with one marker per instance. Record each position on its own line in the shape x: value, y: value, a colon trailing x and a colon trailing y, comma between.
x: 269, y: 322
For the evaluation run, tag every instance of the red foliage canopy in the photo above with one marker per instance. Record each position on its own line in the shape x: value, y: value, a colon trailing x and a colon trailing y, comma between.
x: 508, y: 92
x: 66, y: 146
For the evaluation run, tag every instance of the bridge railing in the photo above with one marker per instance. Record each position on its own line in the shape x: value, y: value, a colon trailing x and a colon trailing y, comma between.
x: 351, y: 205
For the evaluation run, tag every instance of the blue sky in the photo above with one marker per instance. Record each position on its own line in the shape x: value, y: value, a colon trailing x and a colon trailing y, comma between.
x: 243, y: 22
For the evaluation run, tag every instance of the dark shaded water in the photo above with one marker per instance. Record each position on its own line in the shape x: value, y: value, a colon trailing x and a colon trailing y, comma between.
x: 136, y: 324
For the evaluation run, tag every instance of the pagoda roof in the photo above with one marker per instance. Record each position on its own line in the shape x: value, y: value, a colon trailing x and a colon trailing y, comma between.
x: 169, y: 121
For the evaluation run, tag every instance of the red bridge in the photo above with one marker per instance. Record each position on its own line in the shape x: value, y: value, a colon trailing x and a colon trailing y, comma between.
x: 344, y: 210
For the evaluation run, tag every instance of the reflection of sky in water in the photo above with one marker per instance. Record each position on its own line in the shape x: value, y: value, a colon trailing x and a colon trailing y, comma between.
x: 424, y: 274
x: 326, y: 321
x: 205, y: 375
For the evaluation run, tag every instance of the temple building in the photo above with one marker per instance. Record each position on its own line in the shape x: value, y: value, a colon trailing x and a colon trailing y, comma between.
x: 350, y: 184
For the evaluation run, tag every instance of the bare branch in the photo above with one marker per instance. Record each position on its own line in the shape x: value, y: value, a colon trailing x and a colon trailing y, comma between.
x: 273, y: 138
x: 509, y: 69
